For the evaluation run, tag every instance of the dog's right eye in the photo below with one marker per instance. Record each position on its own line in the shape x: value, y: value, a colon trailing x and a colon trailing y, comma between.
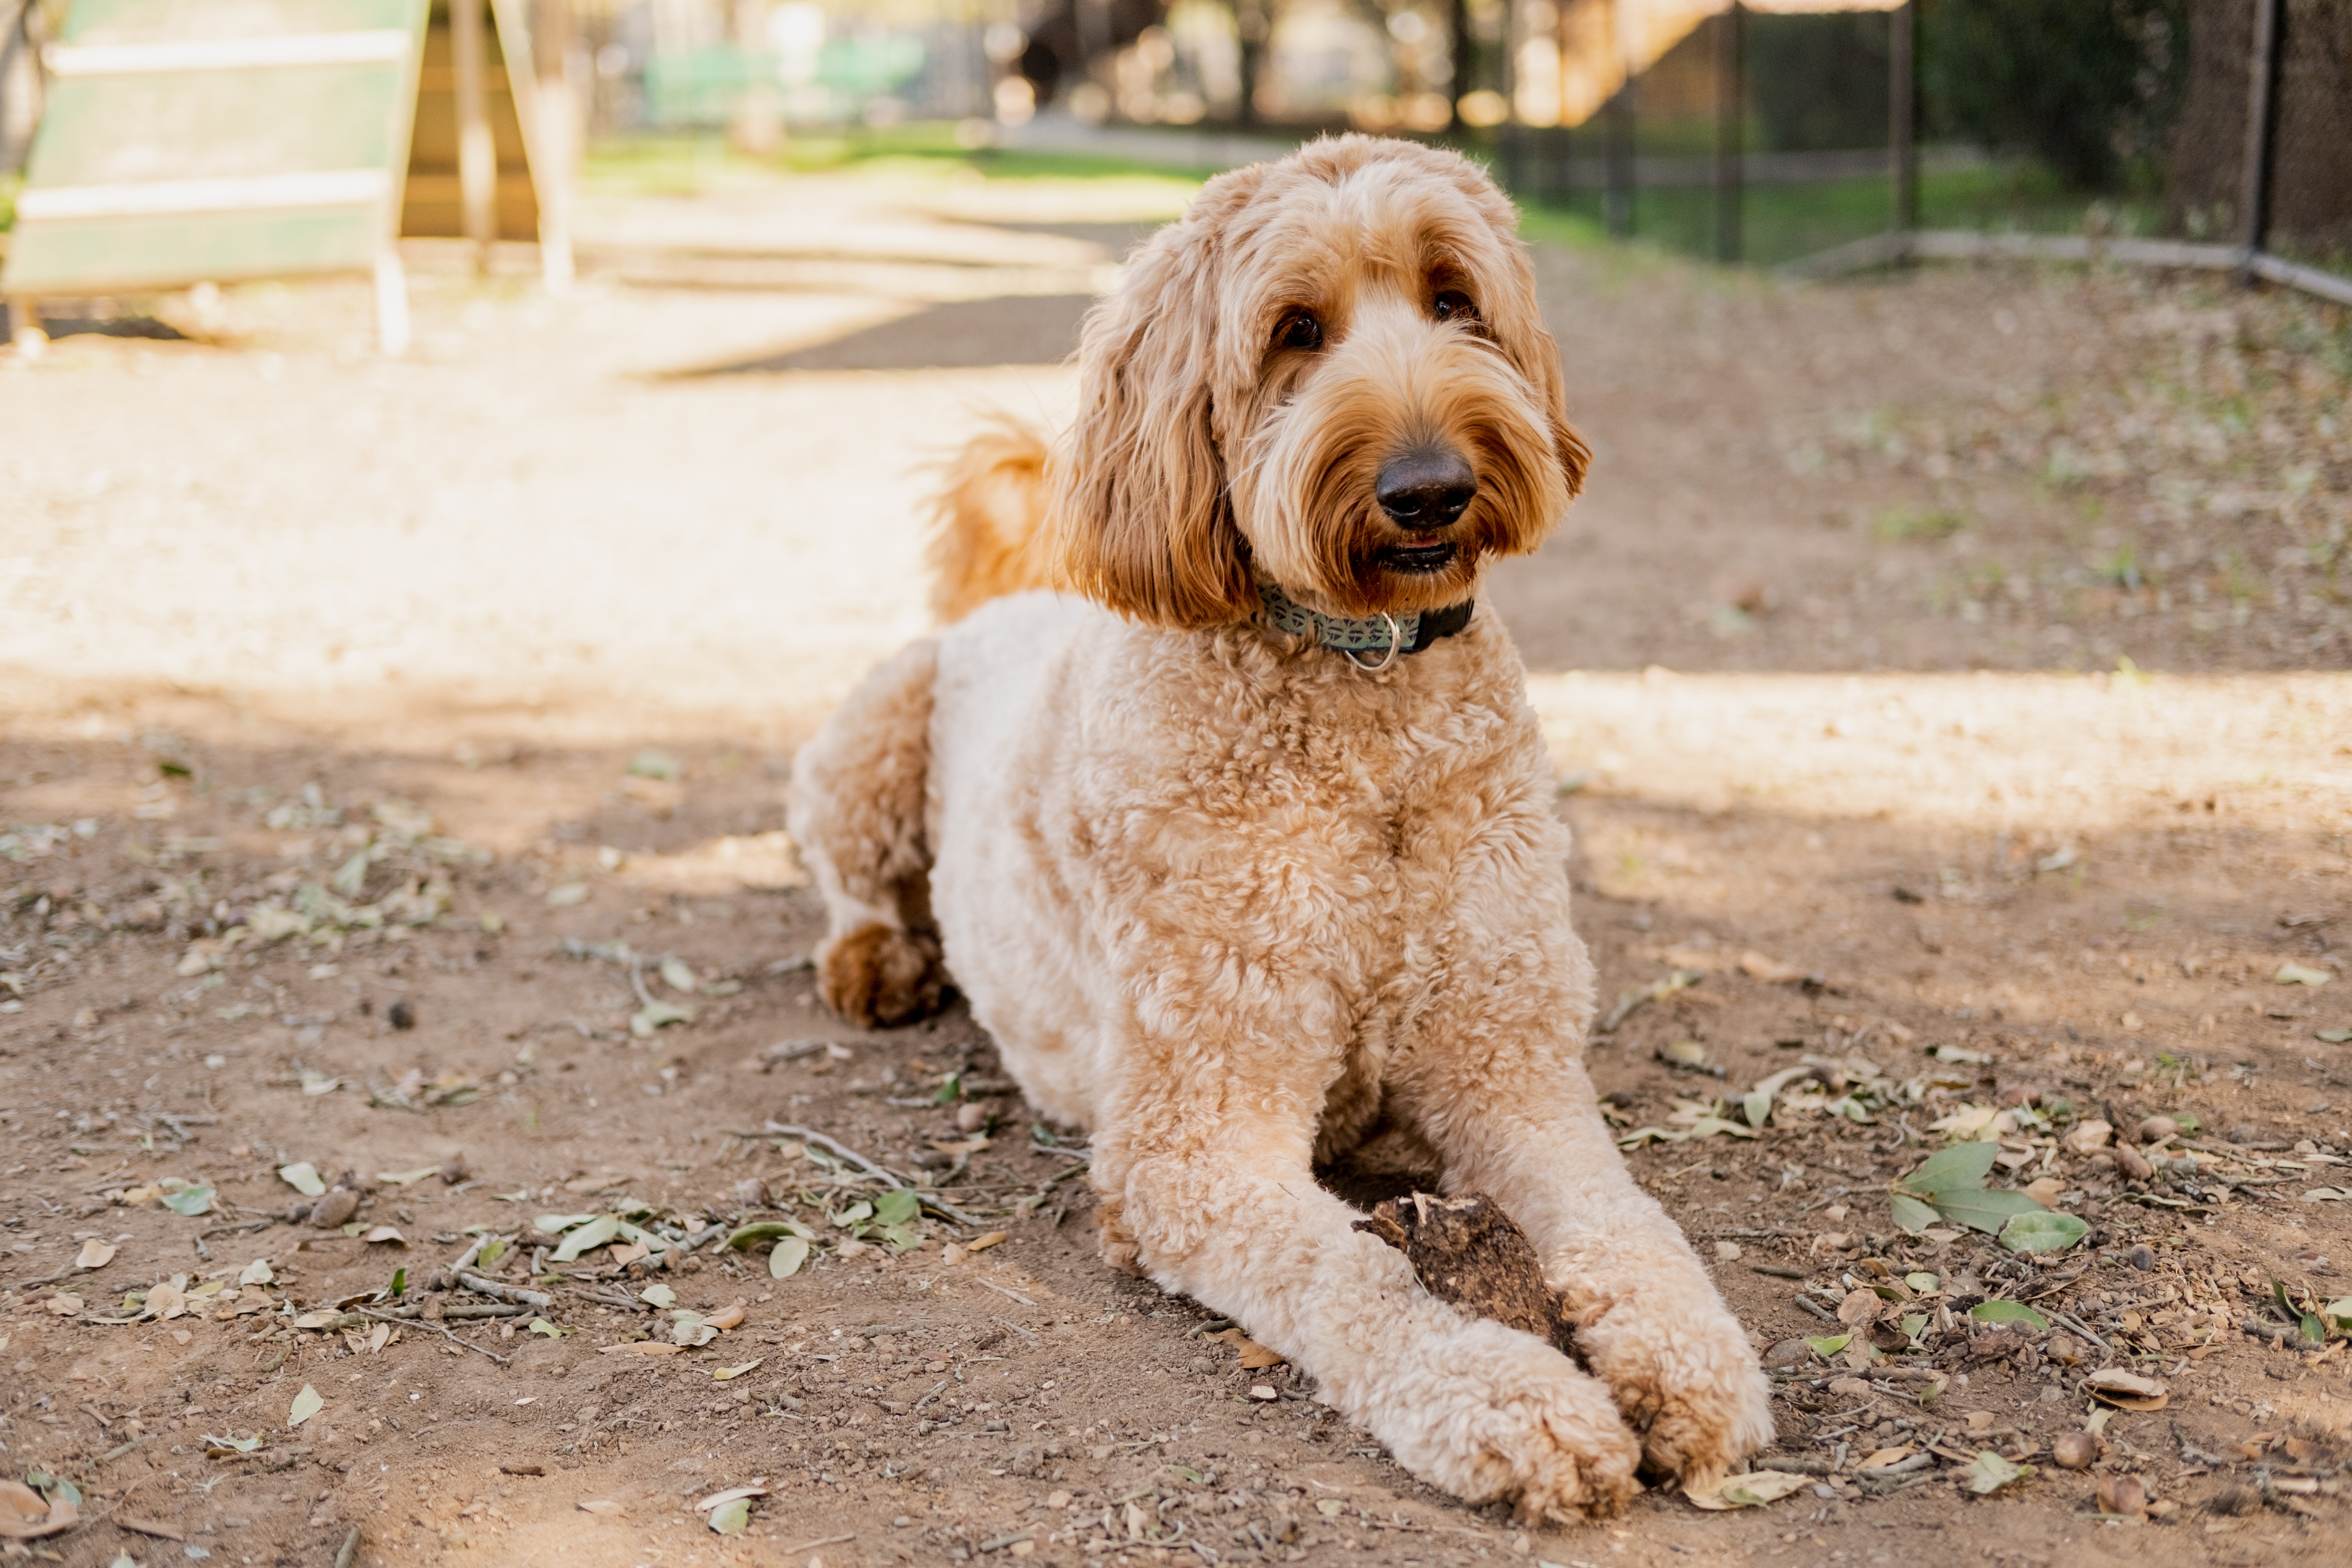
x: 1299, y: 330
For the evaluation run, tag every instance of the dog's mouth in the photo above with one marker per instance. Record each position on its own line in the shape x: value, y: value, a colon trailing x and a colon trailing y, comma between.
x: 1417, y: 559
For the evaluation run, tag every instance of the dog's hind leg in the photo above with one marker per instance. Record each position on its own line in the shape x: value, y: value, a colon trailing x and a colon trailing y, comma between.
x: 856, y: 814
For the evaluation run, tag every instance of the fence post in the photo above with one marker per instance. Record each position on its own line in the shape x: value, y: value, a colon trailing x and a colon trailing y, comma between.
x: 1617, y: 200
x: 1902, y: 113
x: 478, y: 157
x: 2261, y: 120
x: 1730, y: 129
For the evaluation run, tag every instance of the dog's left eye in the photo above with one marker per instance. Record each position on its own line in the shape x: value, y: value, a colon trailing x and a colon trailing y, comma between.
x: 1453, y: 305
x: 1299, y: 330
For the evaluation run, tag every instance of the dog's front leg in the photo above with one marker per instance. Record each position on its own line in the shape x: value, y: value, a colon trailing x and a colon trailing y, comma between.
x: 1526, y: 1130
x: 1214, y: 1192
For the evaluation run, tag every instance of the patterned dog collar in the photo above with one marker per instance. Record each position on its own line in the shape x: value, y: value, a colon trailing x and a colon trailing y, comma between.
x: 1412, y: 632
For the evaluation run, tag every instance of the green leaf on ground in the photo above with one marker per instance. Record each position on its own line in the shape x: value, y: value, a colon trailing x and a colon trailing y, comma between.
x: 304, y: 1178
x: 732, y: 1518
x: 898, y: 1206
x: 2007, y: 1313
x: 1910, y: 1213
x: 596, y: 1233
x: 190, y: 1200
x: 1988, y: 1472
x: 786, y: 1259
x: 1960, y: 1168
x: 2044, y: 1231
x: 1985, y: 1210
x: 1827, y: 1347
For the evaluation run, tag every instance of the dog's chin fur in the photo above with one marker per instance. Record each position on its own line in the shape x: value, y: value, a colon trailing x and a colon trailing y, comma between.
x: 1238, y: 904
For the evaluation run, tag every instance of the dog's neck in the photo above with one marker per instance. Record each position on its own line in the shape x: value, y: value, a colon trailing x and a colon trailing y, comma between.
x: 1412, y: 632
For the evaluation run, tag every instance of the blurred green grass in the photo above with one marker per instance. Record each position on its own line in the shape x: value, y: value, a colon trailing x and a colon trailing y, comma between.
x: 1782, y: 223
x: 689, y: 165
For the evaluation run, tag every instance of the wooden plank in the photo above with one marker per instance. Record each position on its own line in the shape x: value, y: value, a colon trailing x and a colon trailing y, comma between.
x: 324, y: 188
x: 375, y: 46
x: 178, y: 21
x: 114, y: 256
x: 195, y: 140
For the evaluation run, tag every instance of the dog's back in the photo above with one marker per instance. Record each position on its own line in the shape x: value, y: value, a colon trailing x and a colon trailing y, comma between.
x: 987, y: 520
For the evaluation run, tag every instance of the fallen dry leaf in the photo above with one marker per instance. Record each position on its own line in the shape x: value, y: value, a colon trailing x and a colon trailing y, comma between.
x: 1254, y: 1355
x: 2087, y: 1137
x: 1859, y: 1308
x: 1751, y: 1491
x: 643, y: 1347
x: 982, y: 1243
x: 729, y: 1494
x: 2126, y: 1390
x: 65, y: 1304
x: 1885, y: 1457
x: 94, y: 1254
x: 385, y: 1233
x: 24, y: 1516
x: 728, y: 1317
x: 599, y: 1505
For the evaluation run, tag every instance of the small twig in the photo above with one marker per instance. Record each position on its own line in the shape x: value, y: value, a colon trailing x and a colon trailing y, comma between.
x: 249, y: 1225
x: 1003, y: 1291
x: 44, y: 1280
x: 806, y: 1545
x: 1030, y: 1334
x: 1815, y: 1308
x: 837, y: 1150
x: 444, y: 1334
x: 350, y: 1551
x: 2081, y: 1328
x: 934, y: 1394
x: 475, y: 1282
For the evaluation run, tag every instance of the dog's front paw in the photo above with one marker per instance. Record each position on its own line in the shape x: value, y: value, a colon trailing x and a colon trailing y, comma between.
x: 1504, y: 1417
x: 1687, y: 1380
x: 880, y: 977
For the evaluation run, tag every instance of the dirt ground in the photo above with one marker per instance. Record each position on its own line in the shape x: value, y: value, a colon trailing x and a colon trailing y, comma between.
x: 1943, y: 673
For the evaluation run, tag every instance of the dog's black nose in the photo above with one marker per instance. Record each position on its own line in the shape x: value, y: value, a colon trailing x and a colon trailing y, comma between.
x: 1425, y: 490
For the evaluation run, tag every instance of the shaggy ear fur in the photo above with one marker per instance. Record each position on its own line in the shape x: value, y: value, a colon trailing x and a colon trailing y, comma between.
x: 1523, y: 338
x: 1140, y: 521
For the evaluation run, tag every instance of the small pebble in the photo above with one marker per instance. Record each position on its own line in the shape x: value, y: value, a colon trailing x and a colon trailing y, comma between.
x: 972, y: 1116
x: 335, y: 1209
x: 401, y: 1015
x: 2157, y: 1129
x: 751, y: 1193
x: 2142, y: 1257
x: 2076, y: 1451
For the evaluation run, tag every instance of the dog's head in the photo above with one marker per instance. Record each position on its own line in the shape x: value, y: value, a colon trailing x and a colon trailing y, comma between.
x: 1330, y: 372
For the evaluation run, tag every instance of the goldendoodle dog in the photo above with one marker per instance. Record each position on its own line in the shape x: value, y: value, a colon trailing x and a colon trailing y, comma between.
x: 1224, y: 804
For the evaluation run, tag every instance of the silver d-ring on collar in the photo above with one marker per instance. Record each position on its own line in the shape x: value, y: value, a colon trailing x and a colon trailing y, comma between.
x: 1396, y: 646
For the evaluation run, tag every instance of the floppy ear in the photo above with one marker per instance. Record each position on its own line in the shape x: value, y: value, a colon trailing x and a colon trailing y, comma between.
x: 1539, y: 360
x: 1518, y: 326
x: 1140, y: 520
x: 1529, y: 346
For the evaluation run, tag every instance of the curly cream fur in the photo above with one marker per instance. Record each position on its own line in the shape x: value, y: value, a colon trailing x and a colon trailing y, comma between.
x: 1239, y: 906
